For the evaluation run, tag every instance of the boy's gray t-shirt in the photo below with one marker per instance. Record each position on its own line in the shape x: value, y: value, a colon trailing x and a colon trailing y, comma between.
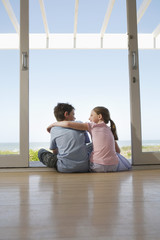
x: 72, y: 152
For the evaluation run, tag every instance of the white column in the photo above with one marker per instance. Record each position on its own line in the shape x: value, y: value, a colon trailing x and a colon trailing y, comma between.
x: 134, y: 80
x: 24, y: 83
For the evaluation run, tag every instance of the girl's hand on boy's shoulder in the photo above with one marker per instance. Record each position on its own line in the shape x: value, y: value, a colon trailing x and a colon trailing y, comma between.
x: 49, y: 127
x: 52, y: 125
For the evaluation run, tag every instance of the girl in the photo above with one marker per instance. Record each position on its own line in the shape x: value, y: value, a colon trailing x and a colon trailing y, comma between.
x: 105, y: 156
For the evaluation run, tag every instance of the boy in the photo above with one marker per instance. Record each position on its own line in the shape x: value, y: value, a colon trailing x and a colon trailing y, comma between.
x: 70, y: 152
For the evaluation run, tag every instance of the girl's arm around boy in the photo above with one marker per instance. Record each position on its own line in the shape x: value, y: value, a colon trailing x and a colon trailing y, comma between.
x: 69, y: 124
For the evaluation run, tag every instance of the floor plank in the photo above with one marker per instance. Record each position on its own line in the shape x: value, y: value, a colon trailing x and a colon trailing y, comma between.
x: 51, y: 205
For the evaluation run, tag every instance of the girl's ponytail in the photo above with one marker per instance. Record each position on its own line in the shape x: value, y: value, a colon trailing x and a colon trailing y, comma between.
x: 113, y: 129
x: 106, y: 118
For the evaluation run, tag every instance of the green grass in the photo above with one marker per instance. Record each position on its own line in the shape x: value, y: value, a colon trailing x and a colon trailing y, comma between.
x: 151, y: 148
x: 7, y: 152
x: 125, y: 151
x: 33, y: 154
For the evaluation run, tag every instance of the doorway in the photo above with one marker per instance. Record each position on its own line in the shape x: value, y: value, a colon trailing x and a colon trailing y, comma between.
x: 83, y: 77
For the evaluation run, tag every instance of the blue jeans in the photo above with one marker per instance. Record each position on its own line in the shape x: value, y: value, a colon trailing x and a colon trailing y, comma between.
x: 50, y: 160
x: 47, y: 158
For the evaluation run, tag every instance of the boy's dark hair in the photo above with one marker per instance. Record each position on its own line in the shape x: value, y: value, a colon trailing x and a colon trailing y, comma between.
x: 60, y: 109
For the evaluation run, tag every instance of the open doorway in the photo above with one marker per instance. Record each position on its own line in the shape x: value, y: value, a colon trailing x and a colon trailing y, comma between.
x: 84, y: 78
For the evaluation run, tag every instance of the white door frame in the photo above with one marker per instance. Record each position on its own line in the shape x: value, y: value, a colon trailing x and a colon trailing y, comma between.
x: 138, y: 157
x: 22, y: 159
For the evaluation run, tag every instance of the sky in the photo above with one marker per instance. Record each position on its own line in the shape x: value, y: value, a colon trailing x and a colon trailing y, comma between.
x: 83, y: 78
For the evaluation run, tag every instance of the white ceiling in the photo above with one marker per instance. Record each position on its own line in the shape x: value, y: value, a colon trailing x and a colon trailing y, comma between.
x: 75, y: 40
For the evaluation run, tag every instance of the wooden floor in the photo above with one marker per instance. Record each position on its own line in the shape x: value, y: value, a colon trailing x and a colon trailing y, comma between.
x: 50, y: 205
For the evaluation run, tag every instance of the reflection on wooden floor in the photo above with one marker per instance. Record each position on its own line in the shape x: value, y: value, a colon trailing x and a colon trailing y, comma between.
x: 50, y: 205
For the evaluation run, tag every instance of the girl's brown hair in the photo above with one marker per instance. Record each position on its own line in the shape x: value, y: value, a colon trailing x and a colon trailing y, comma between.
x: 106, y: 118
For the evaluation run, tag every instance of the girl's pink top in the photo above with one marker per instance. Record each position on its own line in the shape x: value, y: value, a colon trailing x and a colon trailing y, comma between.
x: 103, y: 144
